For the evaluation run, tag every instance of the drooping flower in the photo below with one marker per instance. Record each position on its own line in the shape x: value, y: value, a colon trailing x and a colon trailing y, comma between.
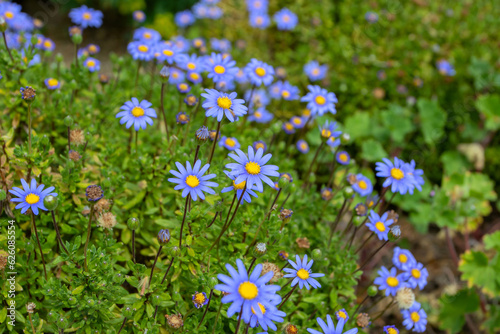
x: 320, y: 101
x: 192, y: 181
x: 286, y: 19
x: 86, y: 17
x: 315, y: 71
x: 239, y: 188
x: 389, y: 281
x: 259, y: 72
x: 380, y: 224
x: 363, y: 185
x: 328, y: 327
x: 415, y: 318
x: 31, y: 196
x: 219, y: 104
x: 301, y: 273
x: 230, y: 143
x: 136, y: 113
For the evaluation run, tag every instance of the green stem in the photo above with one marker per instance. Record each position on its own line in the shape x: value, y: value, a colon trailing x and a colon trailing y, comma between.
x: 213, y: 145
x: 89, y: 230
x: 184, y: 219
x: 154, y: 265
x: 39, y: 245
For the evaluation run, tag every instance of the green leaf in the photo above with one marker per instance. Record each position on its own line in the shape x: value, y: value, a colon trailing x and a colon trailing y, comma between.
x: 432, y: 120
x: 358, y: 125
x: 489, y: 106
x: 477, y: 271
x: 372, y: 150
x: 78, y: 290
x: 492, y: 241
x: 397, y: 121
x: 454, y: 307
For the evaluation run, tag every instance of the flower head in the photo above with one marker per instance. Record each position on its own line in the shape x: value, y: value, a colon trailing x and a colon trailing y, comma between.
x: 230, y: 143
x: 259, y: 20
x: 398, y: 175
x: 164, y: 236
x: 168, y: 52
x: 192, y: 181
x: 184, y: 19
x: 183, y: 88
x: 328, y: 327
x: 202, y: 134
x: 28, y: 93
x: 320, y: 101
x: 301, y: 273
x: 52, y: 83
x: 259, y: 72
x: 315, y: 71
x: 415, y: 318
x: 200, y: 299
x: 416, y: 275
x: 141, y: 50
x: 363, y: 185
x: 182, y: 118
x: 219, y: 104
x: 260, y: 115
x: 191, y: 100
x: 146, y: 35
x: 391, y: 329
x: 92, y: 64
x: 270, y: 315
x: 191, y: 63
x: 389, y: 281
x: 326, y: 193
x: 94, y: 193
x: 343, y: 158
x: 379, y: 224
x: 86, y: 17
x: 220, y: 68
x: 259, y: 144
x: 286, y: 19
x: 371, y: 17
x: 302, y: 146
x: 239, y: 188
x: 136, y: 113
x: 31, y: 196
x: 403, y: 259
x: 445, y: 68
x: 139, y: 16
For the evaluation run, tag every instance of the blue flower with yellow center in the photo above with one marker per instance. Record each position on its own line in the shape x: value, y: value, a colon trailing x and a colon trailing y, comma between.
x: 288, y: 128
x: 176, y: 76
x: 52, y: 83
x: 192, y: 181
x: 286, y: 19
x: 297, y: 122
x: 315, y: 71
x: 389, y: 281
x: 141, y: 50
x: 342, y: 314
x: 391, y: 329
x: 301, y: 273
x: 363, y: 186
x: 200, y: 299
x: 93, y: 49
x: 184, y: 19
x: 168, y: 52
x: 92, y: 64
x: 221, y: 45
x: 259, y: 73
x: 239, y: 188
x: 398, y: 175
x: 182, y: 118
x: 191, y: 100
x: 220, y: 68
x: 218, y: 104
x: 183, y: 87
x: 198, y: 42
x: 194, y: 77
x: 269, y: 316
x: 445, y: 68
x: 139, y: 16
x: 259, y: 98
x: 247, y: 293
x: 343, y: 158
x: 146, y: 35
x: 416, y: 275
x: 302, y: 146
x: 259, y: 20
x: 319, y: 101
x: 164, y: 236
x: 259, y: 144
x: 328, y: 327
x: 379, y: 225
x: 136, y: 113
x: 403, y: 259
x: 48, y: 44
x: 31, y: 196
x: 230, y: 143
x: 328, y: 131
x: 257, y: 5
x: 10, y: 12
x: 86, y: 17
x: 252, y: 168
x: 261, y: 115
x: 191, y: 63
x: 415, y: 318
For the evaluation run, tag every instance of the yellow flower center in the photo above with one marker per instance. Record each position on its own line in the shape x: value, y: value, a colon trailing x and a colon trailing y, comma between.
x: 285, y: 94
x: 259, y: 145
x: 260, y: 71
x: 32, y: 199
x: 92, y: 48
x: 9, y: 15
x: 306, y: 112
x: 289, y: 126
x: 362, y: 184
x: 199, y: 298
x: 175, y: 75
x: 230, y: 142
x: 320, y: 100
x: 326, y: 133
x: 259, y: 20
x: 315, y: 71
x: 52, y: 82
x: 219, y: 69
x: 343, y: 157
x: 192, y: 181
x: 415, y: 317
x: 262, y: 309
x: 143, y: 48
x: 252, y: 168
x: 403, y: 258
x: 302, y: 274
x: 380, y: 226
x: 194, y: 76
x: 248, y: 290
x: 303, y: 146
x: 183, y: 86
x: 168, y: 52
x: 191, y: 66
x: 147, y: 35
x: 137, y: 112
x: 183, y: 118
x: 286, y: 18
x: 297, y: 121
x: 392, y: 331
x: 47, y: 44
x: 397, y: 173
x: 90, y: 63
x: 240, y: 185
x: 224, y: 102
x: 342, y: 315
x: 258, y: 114
x: 87, y: 16
x: 392, y: 281
x: 416, y: 273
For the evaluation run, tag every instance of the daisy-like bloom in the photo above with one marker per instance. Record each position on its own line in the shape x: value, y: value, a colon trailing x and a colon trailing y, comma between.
x: 183, y: 88
x: 363, y: 185
x: 259, y: 144
x: 31, y: 196
x: 259, y: 98
x: 257, y: 5
x: 361, y: 209
x: 182, y: 43
x: 328, y: 327
x: 371, y: 200
x: 200, y: 299
x: 315, y: 71
x: 416, y: 275
x: 184, y: 19
x: 289, y: 92
x: 445, y: 68
x: 220, y: 68
x: 198, y: 42
x: 169, y: 53
x: 10, y: 11
x: 379, y: 225
x: 286, y: 19
x: 259, y: 72
x: 371, y: 17
x: 182, y: 118
x: 93, y: 49
x: 241, y: 77
x: 342, y: 314
x: 302, y: 146
x: 86, y: 17
x: 391, y: 329
x: 191, y: 100
x: 219, y: 104
x: 176, y: 76
x: 259, y: 20
x: 191, y: 63
x: 320, y: 101
x: 48, y: 44
x: 252, y: 168
x: 288, y: 128
x: 269, y: 316
x: 146, y: 35
x: 94, y: 193
x: 230, y: 143
x: 261, y: 115
x: 141, y: 50
x: 192, y: 181
x: 92, y: 64
x: 415, y: 318
x: 301, y: 273
x: 225, y: 85
x: 139, y: 16
x: 343, y: 158
x: 328, y: 130
x: 398, y: 175
x: 239, y: 188
x: 52, y: 83
x: 137, y: 113
x: 194, y: 77
x: 222, y: 45
x: 418, y: 180
x: 389, y: 281
x: 403, y: 259
x: 247, y: 292
x: 297, y: 122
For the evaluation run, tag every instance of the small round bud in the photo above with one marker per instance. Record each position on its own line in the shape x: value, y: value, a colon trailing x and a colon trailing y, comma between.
x: 127, y: 312
x: 174, y: 251
x: 212, y: 282
x: 285, y: 215
x: 372, y: 291
x: 202, y: 134
x: 73, y: 84
x: 50, y: 202
x: 59, y: 58
x: 3, y: 24
x: 164, y: 236
x: 394, y: 233
x: 52, y: 316
x: 316, y: 254
x: 133, y: 223
x: 219, y: 206
x: 77, y: 39
x: 283, y: 183
x: 260, y: 249
x: 119, y: 278
x: 3, y: 195
x: 348, y: 191
x: 62, y: 323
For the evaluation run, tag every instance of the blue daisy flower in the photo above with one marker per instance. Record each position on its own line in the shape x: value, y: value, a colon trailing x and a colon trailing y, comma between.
x: 176, y: 76
x: 288, y: 128
x: 230, y: 143
x: 315, y: 71
x: 241, y: 77
x: 415, y: 318
x: 343, y: 158
x: 31, y: 196
x: 183, y: 88
x: 169, y: 53
x: 416, y: 275
x: 328, y: 130
x: 225, y: 85
x: 259, y: 144
x: 289, y: 92
x: 399, y: 175
x: 239, y: 188
x: 371, y: 200
x: 86, y: 17
x: 192, y: 181
x: 363, y: 186
x: 198, y: 42
x: 221, y: 45
x: 257, y: 5
x: 371, y: 17
x: 92, y: 64
x: 319, y: 101
x: 182, y: 43
x: 10, y: 11
x: 139, y: 16
x: 146, y: 35
x: 328, y: 327
x: 379, y: 225
x: 333, y: 141
x: 220, y: 68
x: 48, y: 44
x: 403, y: 259
x: 252, y: 168
x: 200, y: 10
x: 259, y: 98
x: 261, y: 115
x: 286, y: 19
x: 52, y: 83
x: 184, y: 19
x: 301, y: 273
x: 259, y: 73
x: 391, y: 329
x: 182, y: 118
x: 269, y: 316
x: 297, y: 122
x: 214, y: 12
x: 194, y: 77
x: 302, y: 146
x: 200, y: 299
x: 93, y: 49
x: 342, y: 314
x: 259, y: 20
x: 141, y: 50
x: 445, y: 68
x: 418, y: 180
x: 191, y: 63
x: 247, y: 292
x: 389, y: 281
x: 136, y: 113
x: 218, y: 104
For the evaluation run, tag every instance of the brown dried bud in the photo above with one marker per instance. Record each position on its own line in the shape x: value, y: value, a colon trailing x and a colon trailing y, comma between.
x: 77, y: 137
x: 267, y: 267
x: 363, y: 320
x: 175, y: 320
x: 107, y: 220
x: 30, y: 307
x: 303, y: 242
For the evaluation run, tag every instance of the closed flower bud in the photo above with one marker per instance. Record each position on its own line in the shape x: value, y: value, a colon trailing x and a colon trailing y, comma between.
x: 348, y: 192
x: 3, y: 24
x: 59, y: 58
x: 164, y: 236
x: 68, y: 120
x: 62, y: 323
x: 372, y: 291
x: 50, y: 202
x: 260, y: 249
x: 283, y: 183
x: 316, y: 254
x: 52, y: 317
x: 133, y: 223
x: 202, y: 134
x: 128, y: 312
x: 212, y: 282
x: 164, y: 73
x: 174, y: 251
x: 394, y: 233
x: 77, y: 39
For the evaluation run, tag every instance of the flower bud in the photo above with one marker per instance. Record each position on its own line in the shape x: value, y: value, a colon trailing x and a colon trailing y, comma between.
x: 62, y: 323
x: 77, y: 39
x: 50, y: 202
x: 164, y: 236
x: 212, y: 282
x: 394, y: 233
x: 52, y: 316
x: 133, y: 223
x: 202, y: 134
x: 283, y: 183
x: 164, y: 73
x: 3, y: 24
x: 285, y: 215
x: 259, y: 249
x: 128, y: 311
x: 348, y: 192
x: 372, y: 291
x: 316, y: 254
x: 94, y: 193
x: 283, y: 255
x: 59, y: 58
x: 174, y: 251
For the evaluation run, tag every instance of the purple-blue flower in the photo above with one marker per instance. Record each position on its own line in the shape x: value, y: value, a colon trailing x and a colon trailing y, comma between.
x: 319, y: 101
x: 31, y: 196
x: 363, y: 186
x: 259, y: 73
x: 415, y: 318
x: 218, y: 104
x: 184, y: 19
x: 230, y: 143
x: 389, y: 281
x: 416, y: 275
x: 192, y: 181
x: 86, y: 17
x: 261, y: 115
x: 136, y: 113
x: 398, y: 175
x: 285, y: 19
x: 141, y: 50
x: 315, y: 71
x: 380, y: 225
x: 239, y: 188
x: 259, y: 20
x: 92, y: 64
x: 220, y: 68
x: 301, y: 273
x: 302, y: 146
x: 343, y: 157
x: 328, y: 327
x: 403, y: 259
x: 146, y: 35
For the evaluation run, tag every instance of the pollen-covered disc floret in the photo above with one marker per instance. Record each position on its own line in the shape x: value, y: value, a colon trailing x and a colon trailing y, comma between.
x: 192, y: 181
x: 301, y: 273
x: 31, y: 196
x: 136, y: 113
x: 200, y: 299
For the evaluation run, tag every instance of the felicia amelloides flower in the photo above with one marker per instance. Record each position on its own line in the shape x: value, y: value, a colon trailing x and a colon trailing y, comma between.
x: 403, y: 259
x: 343, y: 157
x: 320, y: 101
x: 285, y: 19
x: 363, y: 186
x: 416, y: 275
x: 259, y: 72
x: 92, y: 64
x: 146, y: 35
x: 269, y: 316
x: 399, y: 175
x: 389, y: 280
x: 31, y: 196
x: 86, y: 17
x: 220, y: 68
x: 329, y: 326
x: 315, y: 71
x: 230, y: 143
x: 192, y: 181
x: 52, y: 83
x: 139, y: 16
x: 391, y: 329
x: 200, y: 299
x: 415, y: 318
x: 141, y: 50
x: 301, y: 273
x: 239, y: 188
x: 380, y: 224
x: 136, y: 113
x: 219, y: 104
x: 302, y: 146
